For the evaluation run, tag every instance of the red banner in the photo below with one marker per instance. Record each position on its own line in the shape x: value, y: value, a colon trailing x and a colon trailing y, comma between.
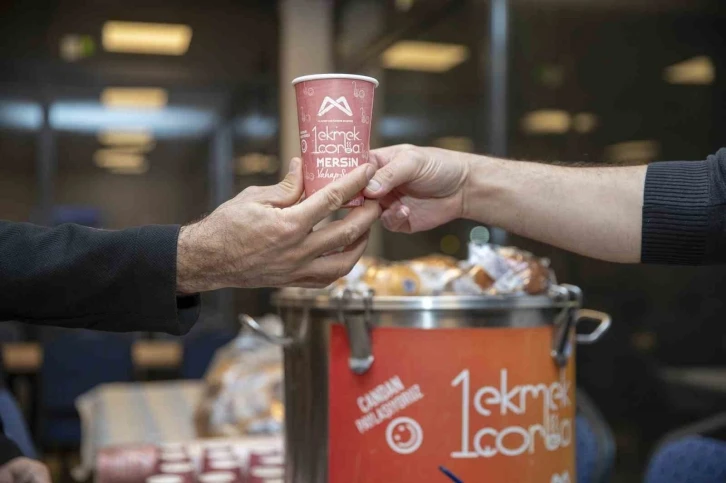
x: 489, y: 405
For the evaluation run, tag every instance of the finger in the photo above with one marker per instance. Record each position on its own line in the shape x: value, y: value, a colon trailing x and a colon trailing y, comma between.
x: 333, y: 196
x: 397, y: 218
x: 404, y: 167
x: 323, y: 271
x: 342, y: 233
x: 389, y: 200
x: 287, y: 192
x: 382, y: 156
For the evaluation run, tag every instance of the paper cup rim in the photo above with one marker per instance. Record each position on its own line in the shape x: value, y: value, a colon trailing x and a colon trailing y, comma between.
x: 224, y: 464
x: 164, y: 477
x: 270, y: 460
x: 267, y: 471
x: 313, y: 77
x: 180, y: 467
x: 217, y: 476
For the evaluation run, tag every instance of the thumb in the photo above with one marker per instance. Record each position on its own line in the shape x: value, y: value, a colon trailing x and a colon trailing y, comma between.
x: 402, y: 169
x: 288, y: 191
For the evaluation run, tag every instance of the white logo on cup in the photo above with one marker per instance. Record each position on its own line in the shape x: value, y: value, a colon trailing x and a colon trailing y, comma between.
x: 404, y: 435
x: 562, y: 478
x: 340, y: 103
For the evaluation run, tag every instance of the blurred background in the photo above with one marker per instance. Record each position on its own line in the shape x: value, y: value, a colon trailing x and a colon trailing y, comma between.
x: 115, y: 114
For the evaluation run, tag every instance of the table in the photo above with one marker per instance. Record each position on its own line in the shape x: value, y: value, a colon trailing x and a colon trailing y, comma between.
x: 136, y: 413
x: 27, y: 357
x: 123, y: 420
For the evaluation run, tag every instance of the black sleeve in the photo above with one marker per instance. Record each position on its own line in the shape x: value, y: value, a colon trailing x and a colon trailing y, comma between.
x: 79, y: 277
x: 684, y: 209
x: 8, y: 449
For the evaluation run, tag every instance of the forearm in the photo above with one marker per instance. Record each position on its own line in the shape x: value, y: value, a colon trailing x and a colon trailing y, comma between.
x: 75, y: 276
x: 592, y: 211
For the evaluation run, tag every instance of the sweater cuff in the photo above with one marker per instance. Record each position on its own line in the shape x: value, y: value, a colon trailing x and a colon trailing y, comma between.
x: 675, y: 213
x: 156, y: 260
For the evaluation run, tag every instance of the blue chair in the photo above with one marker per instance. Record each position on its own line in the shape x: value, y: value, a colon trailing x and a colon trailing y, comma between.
x: 690, y: 455
x: 14, y: 424
x: 199, y: 349
x: 74, y: 363
x: 595, y: 443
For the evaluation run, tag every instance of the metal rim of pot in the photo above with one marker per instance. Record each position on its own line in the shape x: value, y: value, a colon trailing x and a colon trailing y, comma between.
x: 567, y: 298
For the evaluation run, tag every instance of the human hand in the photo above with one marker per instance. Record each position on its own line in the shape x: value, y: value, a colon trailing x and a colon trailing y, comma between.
x: 419, y: 188
x: 24, y: 470
x: 264, y: 236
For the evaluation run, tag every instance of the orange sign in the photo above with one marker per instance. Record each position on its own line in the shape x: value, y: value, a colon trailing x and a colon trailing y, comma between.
x: 489, y: 405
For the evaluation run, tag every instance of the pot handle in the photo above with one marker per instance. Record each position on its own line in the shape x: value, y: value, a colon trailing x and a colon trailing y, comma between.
x: 288, y: 341
x: 604, y: 324
x: 361, y: 356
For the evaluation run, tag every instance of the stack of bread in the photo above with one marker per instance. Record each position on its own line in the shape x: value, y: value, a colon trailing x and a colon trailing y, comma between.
x: 489, y: 270
x: 244, y: 387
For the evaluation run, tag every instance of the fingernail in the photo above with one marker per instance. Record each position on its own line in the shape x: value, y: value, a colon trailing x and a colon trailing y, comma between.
x: 401, y: 213
x: 370, y: 171
x: 373, y: 185
x: 293, y: 164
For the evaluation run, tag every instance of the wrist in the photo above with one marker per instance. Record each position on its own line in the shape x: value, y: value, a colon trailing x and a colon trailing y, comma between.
x: 479, y: 188
x: 192, y: 273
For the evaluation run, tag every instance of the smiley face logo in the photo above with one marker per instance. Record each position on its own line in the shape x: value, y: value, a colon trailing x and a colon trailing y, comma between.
x: 404, y: 435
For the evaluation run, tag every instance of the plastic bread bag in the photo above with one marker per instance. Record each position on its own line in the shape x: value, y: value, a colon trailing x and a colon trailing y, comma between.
x: 510, y: 270
x: 244, y: 387
x: 435, y: 273
x: 489, y: 259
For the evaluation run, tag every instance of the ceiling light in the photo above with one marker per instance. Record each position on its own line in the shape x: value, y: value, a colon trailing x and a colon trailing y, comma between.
x: 404, y: 5
x: 136, y: 97
x: 76, y: 47
x: 256, y: 163
x: 131, y: 170
x: 146, y: 38
x: 546, y: 121
x: 424, y: 56
x: 455, y: 143
x: 632, y: 152
x: 695, y: 71
x: 114, y: 159
x: 552, y: 76
x: 20, y: 114
x: 140, y: 149
x: 126, y: 138
x: 171, y: 122
x: 584, y: 122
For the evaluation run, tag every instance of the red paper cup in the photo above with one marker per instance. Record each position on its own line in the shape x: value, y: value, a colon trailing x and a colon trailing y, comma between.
x: 224, y: 465
x: 165, y: 479
x: 264, y: 474
x: 334, y: 116
x: 219, y: 477
x: 266, y: 459
x: 173, y: 457
x: 185, y: 470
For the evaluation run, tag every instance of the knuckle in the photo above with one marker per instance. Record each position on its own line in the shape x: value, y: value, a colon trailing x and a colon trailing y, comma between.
x: 286, y: 185
x: 385, y: 174
x: 351, y: 234
x: 334, y: 199
x: 343, y: 269
x: 414, y: 152
x: 291, y: 228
